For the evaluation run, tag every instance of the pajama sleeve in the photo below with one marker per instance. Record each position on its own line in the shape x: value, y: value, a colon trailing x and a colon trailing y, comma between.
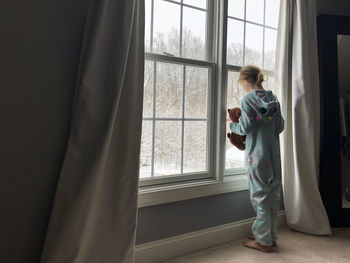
x: 279, y: 120
x: 246, y: 121
x: 280, y: 124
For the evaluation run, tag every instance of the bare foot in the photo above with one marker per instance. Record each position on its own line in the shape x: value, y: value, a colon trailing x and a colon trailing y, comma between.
x: 255, y: 245
x: 274, y: 244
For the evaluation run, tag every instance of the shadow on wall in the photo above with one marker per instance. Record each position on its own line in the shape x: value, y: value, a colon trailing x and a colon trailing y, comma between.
x: 40, y: 49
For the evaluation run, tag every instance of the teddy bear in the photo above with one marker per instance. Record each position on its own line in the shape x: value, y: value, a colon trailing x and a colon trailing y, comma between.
x: 235, y: 139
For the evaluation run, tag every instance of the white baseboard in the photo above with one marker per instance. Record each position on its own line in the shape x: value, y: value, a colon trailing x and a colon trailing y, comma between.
x: 167, y: 248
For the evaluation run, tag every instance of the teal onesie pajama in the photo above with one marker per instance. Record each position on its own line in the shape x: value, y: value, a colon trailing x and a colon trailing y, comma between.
x: 261, y: 121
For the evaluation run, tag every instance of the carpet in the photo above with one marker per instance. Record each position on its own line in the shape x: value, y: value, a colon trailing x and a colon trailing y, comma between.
x: 293, y: 247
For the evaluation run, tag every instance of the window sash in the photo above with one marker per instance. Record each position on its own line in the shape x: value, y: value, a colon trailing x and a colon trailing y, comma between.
x: 210, y: 26
x: 210, y: 42
x: 175, y: 178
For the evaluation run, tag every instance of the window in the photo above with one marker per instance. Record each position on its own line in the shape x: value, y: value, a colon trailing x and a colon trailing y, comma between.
x: 191, y: 77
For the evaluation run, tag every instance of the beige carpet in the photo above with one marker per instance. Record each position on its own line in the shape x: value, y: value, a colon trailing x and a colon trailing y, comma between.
x: 293, y: 247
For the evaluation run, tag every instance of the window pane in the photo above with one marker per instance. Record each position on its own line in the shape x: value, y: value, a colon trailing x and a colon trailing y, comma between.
x: 272, y: 12
x: 253, y: 45
x: 148, y: 89
x: 234, y: 157
x: 195, y: 146
x: 270, y: 48
x: 167, y: 148
x: 146, y: 150
x: 234, y: 92
x: 235, y: 30
x: 193, y: 33
x: 270, y: 84
x: 255, y: 11
x: 166, y: 28
x: 148, y: 6
x: 236, y: 8
x: 197, y: 3
x: 169, y: 81
x: 196, y: 92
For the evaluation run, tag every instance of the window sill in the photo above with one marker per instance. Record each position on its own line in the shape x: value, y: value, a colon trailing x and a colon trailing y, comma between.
x: 167, y: 194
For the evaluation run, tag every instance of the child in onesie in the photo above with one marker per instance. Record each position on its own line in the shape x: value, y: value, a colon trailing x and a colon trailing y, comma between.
x: 261, y: 121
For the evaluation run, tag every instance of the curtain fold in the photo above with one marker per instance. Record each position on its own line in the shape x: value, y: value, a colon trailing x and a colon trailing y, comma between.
x: 297, y: 81
x: 94, y: 213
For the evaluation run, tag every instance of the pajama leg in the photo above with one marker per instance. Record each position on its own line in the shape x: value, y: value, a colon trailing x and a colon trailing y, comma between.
x: 273, y: 224
x: 274, y: 202
x: 261, y: 228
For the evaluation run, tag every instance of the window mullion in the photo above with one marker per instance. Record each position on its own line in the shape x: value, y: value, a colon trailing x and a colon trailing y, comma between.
x: 152, y: 13
x: 183, y: 117
x: 181, y: 25
x: 221, y: 91
x: 263, y: 51
x: 244, y: 29
x: 154, y: 114
x: 210, y: 37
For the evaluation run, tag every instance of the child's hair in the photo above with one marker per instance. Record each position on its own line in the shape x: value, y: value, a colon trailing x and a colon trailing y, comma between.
x: 252, y: 74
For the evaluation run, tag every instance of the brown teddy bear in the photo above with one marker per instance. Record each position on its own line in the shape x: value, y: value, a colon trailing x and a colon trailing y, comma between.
x: 235, y: 139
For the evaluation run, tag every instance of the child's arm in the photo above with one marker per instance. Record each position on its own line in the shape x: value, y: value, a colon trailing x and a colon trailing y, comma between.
x: 246, y: 120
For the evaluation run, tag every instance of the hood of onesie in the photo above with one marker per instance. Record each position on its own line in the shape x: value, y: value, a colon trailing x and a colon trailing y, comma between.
x: 265, y: 104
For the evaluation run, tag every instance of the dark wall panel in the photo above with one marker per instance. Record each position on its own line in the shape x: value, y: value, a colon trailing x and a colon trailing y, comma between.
x: 39, y: 53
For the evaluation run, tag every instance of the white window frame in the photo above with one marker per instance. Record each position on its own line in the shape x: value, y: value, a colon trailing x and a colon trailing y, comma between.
x: 218, y: 180
x: 208, y: 64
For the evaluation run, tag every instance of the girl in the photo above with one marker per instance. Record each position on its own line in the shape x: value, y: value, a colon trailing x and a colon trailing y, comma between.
x: 261, y: 121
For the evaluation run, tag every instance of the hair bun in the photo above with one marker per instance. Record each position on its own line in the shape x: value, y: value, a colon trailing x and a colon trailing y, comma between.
x: 260, y: 78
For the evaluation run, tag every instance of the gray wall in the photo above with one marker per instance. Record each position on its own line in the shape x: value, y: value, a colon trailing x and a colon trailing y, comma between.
x: 181, y: 217
x: 39, y: 51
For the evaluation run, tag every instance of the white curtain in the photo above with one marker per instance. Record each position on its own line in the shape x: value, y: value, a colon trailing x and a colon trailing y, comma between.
x: 95, y: 208
x: 297, y: 81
